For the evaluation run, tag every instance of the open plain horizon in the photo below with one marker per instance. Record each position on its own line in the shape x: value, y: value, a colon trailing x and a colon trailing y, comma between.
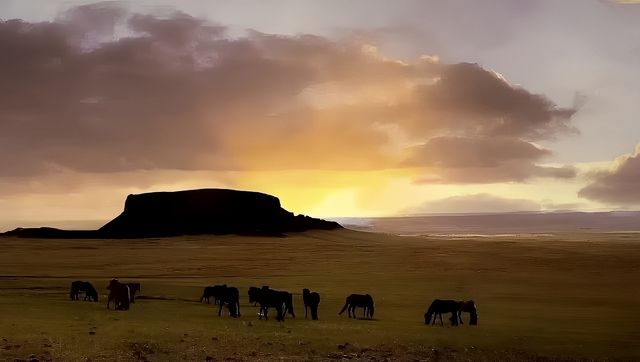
x: 564, y: 296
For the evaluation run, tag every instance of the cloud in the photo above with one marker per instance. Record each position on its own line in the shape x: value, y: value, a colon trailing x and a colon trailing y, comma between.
x: 620, y: 185
x: 474, y: 100
x: 104, y: 90
x: 477, y: 203
x: 483, y: 159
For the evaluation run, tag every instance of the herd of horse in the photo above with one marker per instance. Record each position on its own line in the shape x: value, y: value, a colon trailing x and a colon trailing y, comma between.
x: 123, y: 294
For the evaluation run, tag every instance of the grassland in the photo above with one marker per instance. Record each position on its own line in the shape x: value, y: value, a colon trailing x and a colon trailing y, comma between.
x: 566, y: 296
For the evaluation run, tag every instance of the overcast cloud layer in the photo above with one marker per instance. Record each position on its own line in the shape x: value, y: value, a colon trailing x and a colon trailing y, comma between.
x: 105, y: 90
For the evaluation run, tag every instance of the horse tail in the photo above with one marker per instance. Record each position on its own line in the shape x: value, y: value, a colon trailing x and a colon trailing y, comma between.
x: 473, y: 319
x: 125, y: 299
x: 290, y: 305
x: 236, y: 297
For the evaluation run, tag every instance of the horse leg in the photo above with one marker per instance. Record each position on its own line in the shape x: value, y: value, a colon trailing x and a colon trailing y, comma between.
x: 440, y: 314
x: 220, y: 310
x: 305, y: 310
x: 282, y: 311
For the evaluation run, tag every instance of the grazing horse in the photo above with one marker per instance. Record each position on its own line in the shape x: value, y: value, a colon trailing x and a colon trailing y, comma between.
x: 214, y: 292
x: 311, y: 300
x: 133, y: 288
x: 438, y: 307
x: 280, y: 300
x: 470, y: 307
x: 254, y: 294
x: 119, y: 294
x: 358, y: 300
x: 86, y: 287
x: 231, y: 297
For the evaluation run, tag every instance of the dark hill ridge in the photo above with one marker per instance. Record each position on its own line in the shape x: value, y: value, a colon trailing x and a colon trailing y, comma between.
x: 193, y: 212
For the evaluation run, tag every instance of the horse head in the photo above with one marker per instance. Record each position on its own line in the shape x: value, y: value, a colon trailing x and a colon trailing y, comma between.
x: 113, y: 283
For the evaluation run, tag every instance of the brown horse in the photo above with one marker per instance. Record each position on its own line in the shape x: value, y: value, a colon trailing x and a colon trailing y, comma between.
x: 468, y: 306
x: 439, y: 307
x: 311, y: 300
x: 119, y: 294
x: 86, y: 287
x: 358, y: 300
x: 133, y: 288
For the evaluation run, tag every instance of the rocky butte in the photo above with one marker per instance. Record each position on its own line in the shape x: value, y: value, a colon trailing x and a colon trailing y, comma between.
x: 193, y: 212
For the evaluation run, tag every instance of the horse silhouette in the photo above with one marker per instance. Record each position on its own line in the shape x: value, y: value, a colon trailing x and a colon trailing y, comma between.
x: 133, y: 288
x: 254, y: 294
x: 282, y: 301
x: 86, y: 287
x: 468, y: 306
x: 311, y: 301
x: 358, y: 300
x: 439, y: 307
x: 119, y: 294
x: 212, y: 291
x: 229, y: 296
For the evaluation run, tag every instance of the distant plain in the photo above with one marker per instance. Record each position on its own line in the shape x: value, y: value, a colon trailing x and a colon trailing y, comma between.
x: 556, y: 296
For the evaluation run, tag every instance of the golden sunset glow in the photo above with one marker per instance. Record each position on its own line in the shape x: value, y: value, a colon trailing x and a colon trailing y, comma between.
x: 371, y: 120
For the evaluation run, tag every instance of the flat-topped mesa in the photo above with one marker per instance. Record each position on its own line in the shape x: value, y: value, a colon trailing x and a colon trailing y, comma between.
x: 207, y: 211
x: 195, y: 212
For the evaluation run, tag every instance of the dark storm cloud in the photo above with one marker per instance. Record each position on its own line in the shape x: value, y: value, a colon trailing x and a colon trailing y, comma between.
x: 619, y: 186
x: 104, y: 90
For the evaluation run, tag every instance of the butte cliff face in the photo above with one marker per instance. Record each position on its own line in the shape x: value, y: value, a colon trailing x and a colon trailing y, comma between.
x: 194, y: 212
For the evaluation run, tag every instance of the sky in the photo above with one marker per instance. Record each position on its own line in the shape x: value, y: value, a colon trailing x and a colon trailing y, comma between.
x: 339, y: 108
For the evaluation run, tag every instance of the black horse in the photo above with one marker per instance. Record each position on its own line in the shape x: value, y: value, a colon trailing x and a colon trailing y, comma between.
x: 78, y: 286
x: 133, y: 288
x: 229, y: 296
x: 119, y: 294
x: 311, y: 300
x: 439, y: 307
x: 254, y: 294
x: 358, y: 300
x: 213, y: 291
x: 469, y: 306
x: 280, y: 300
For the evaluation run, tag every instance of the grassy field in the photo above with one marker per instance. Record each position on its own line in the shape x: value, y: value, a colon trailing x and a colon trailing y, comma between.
x: 567, y: 296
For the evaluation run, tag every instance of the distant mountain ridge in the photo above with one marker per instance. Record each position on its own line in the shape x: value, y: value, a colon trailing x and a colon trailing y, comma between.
x: 496, y: 223
x: 193, y: 212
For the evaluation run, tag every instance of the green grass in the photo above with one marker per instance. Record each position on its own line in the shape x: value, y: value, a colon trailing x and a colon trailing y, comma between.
x: 565, y: 296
